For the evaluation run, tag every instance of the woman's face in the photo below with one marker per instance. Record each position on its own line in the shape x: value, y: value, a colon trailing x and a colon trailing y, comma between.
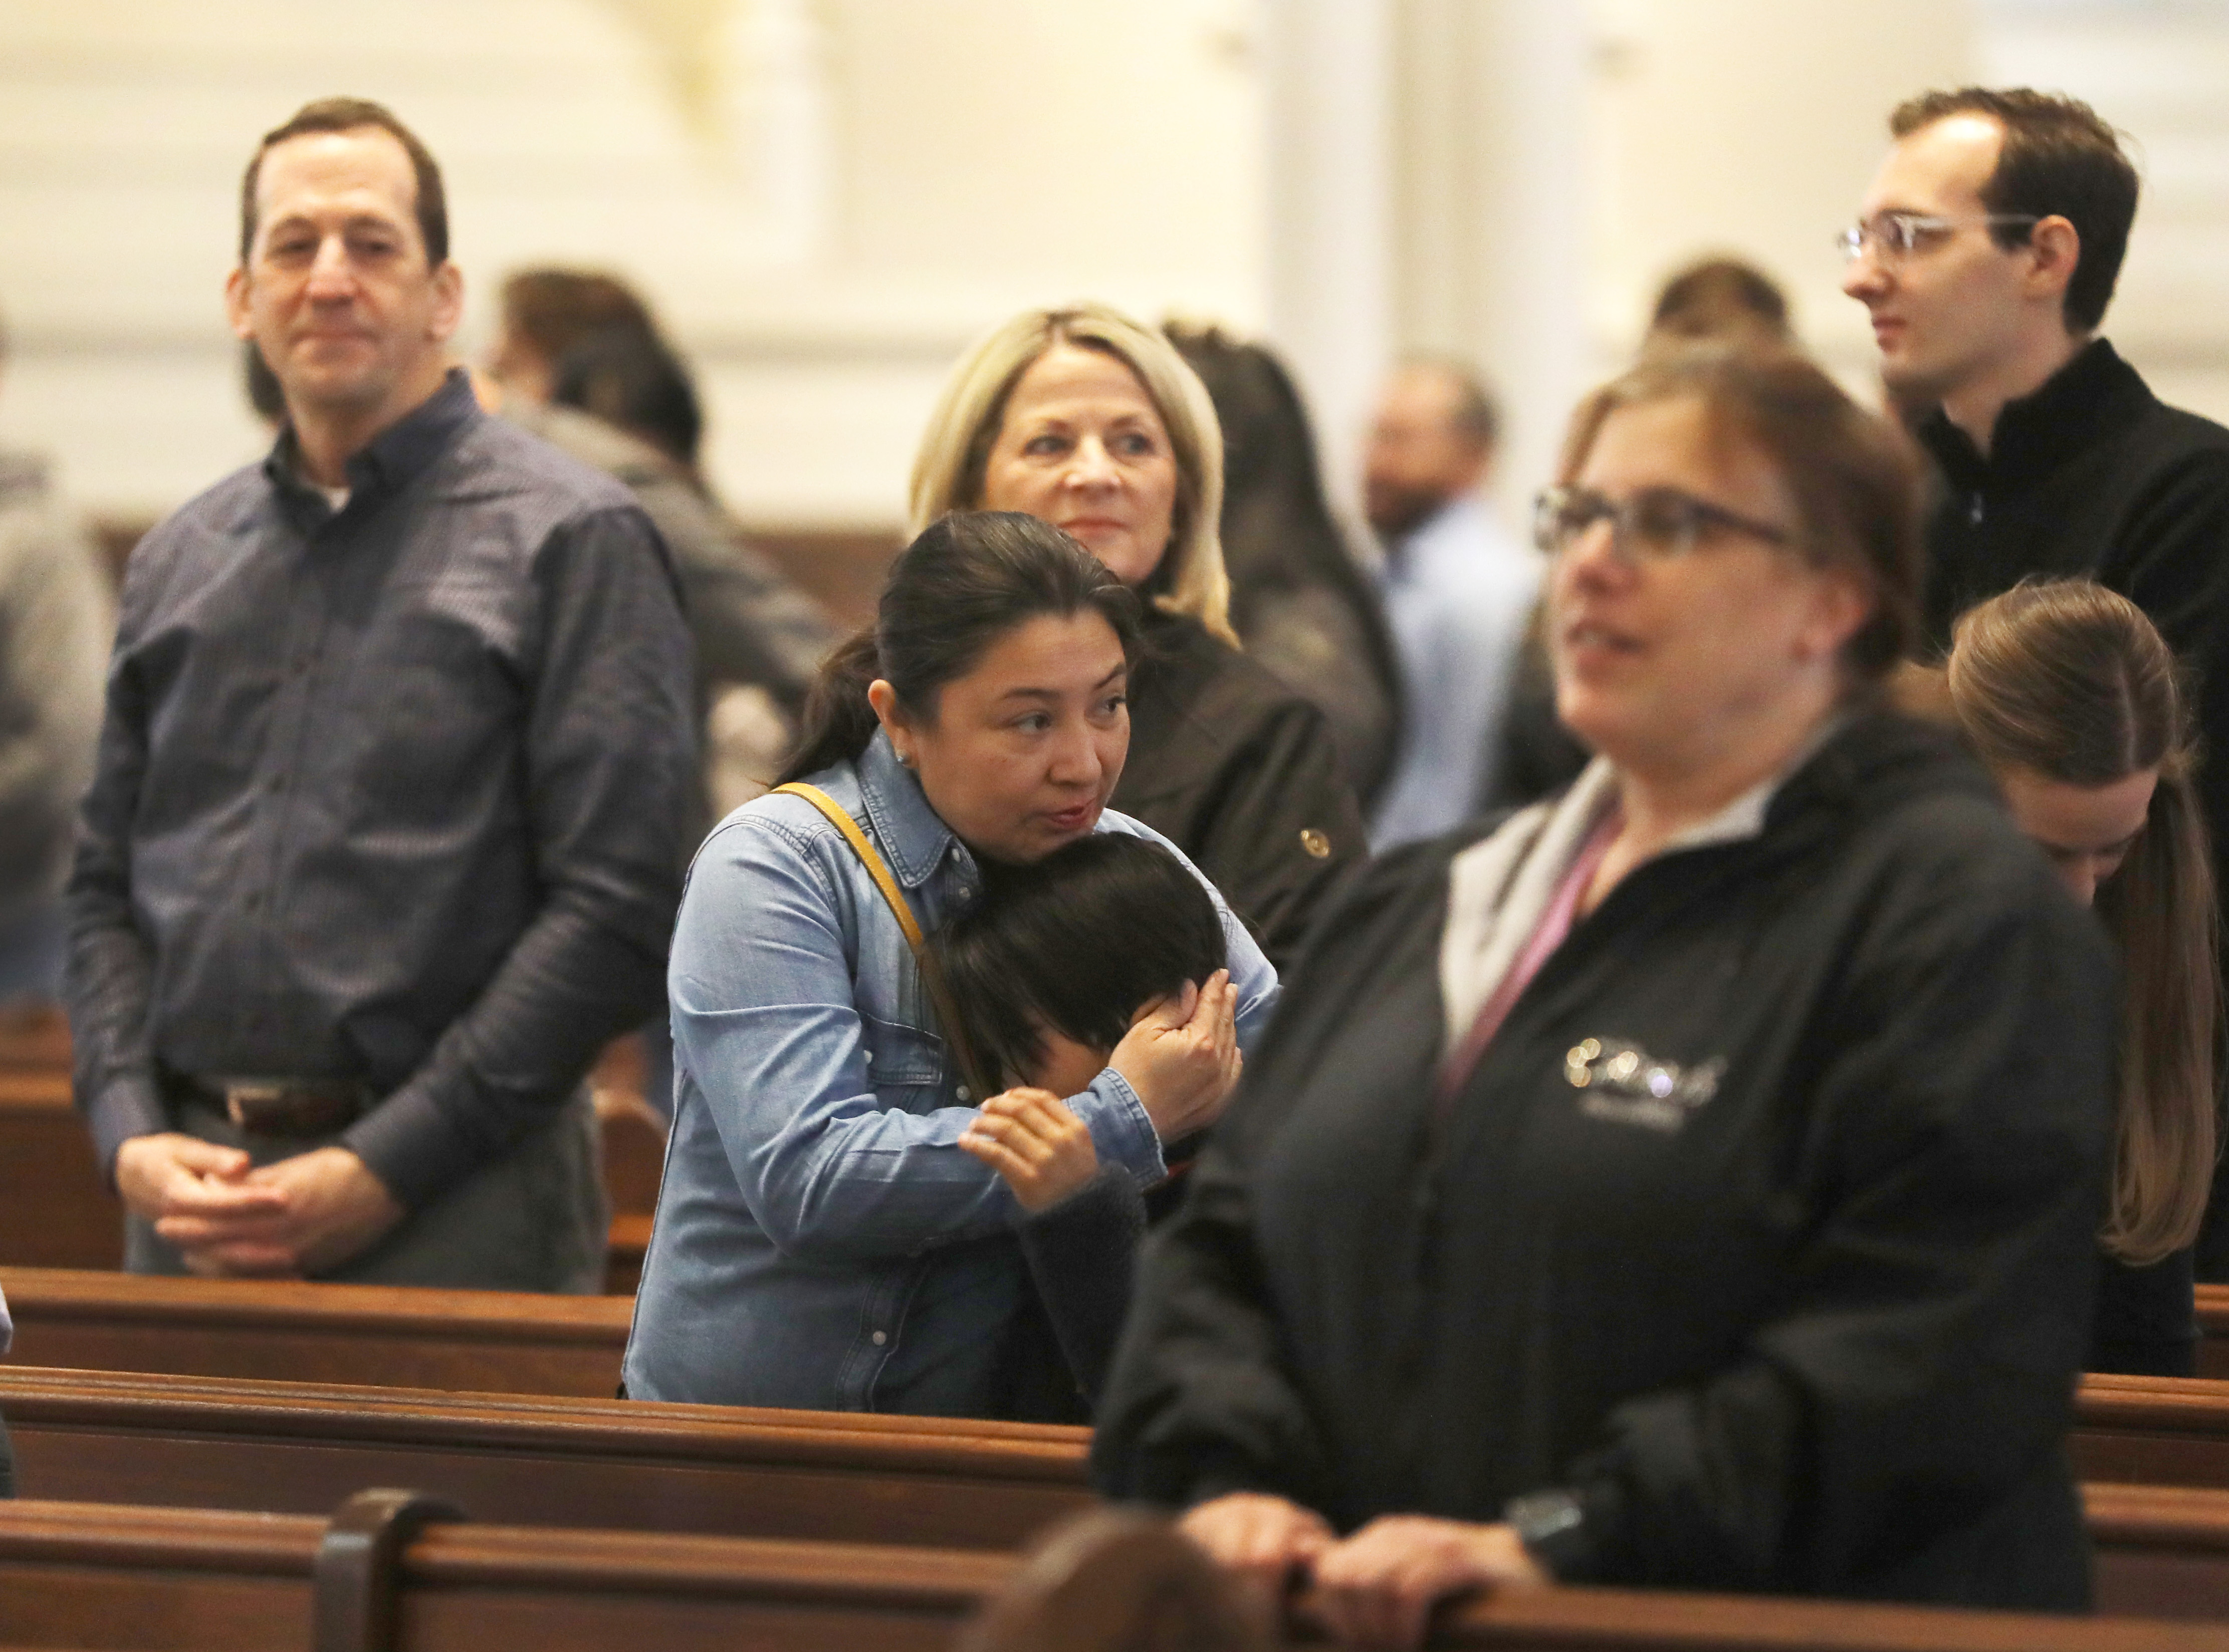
x: 1673, y: 663
x: 1083, y: 448
x: 1024, y: 750
x: 2086, y: 830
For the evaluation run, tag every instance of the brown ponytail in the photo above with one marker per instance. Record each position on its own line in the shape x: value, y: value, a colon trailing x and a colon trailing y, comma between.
x: 2071, y: 681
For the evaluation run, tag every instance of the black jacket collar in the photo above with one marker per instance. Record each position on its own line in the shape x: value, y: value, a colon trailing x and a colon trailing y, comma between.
x: 2094, y: 396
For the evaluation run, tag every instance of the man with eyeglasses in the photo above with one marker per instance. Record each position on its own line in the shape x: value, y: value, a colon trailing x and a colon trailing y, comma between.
x: 1986, y: 254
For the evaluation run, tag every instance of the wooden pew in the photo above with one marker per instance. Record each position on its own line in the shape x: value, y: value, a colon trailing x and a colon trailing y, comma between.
x: 489, y: 1342
x: 173, y: 1580
x: 2140, y: 1430
x: 93, y: 1437
x: 2153, y: 1430
x: 166, y: 1580
x: 2213, y: 1329
x: 2163, y: 1551
x: 60, y: 1213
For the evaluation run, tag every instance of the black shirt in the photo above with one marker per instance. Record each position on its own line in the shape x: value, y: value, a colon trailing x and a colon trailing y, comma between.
x: 2147, y: 1318
x: 388, y: 794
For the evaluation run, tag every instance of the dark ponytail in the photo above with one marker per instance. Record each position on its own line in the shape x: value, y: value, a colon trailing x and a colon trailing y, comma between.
x: 970, y: 578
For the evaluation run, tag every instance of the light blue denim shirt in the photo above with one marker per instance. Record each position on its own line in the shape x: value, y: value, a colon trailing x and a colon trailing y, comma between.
x: 822, y: 1241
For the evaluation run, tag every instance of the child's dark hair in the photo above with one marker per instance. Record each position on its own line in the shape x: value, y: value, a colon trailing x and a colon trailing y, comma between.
x: 967, y: 581
x: 1076, y: 942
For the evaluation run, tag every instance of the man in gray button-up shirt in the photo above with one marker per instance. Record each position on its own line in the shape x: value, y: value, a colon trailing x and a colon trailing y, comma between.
x: 383, y: 845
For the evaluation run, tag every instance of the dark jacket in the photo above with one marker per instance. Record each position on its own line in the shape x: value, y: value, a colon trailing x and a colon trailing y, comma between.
x: 1813, y: 1329
x: 2093, y: 475
x: 1240, y: 773
x: 2147, y: 1322
x: 1083, y: 1257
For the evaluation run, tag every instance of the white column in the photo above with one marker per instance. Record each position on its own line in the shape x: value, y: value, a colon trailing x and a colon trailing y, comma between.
x: 1493, y: 191
x: 1326, y: 77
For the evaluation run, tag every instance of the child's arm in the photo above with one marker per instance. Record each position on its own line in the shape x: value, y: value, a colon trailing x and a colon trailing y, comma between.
x: 1031, y: 1139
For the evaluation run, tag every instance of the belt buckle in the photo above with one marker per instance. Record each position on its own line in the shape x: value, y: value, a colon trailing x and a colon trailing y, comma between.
x: 243, y: 1098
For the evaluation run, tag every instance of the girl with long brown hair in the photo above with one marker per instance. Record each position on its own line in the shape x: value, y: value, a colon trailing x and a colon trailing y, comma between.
x: 2068, y: 694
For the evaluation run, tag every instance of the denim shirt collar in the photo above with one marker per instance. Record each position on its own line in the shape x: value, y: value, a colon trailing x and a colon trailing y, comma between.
x: 912, y: 834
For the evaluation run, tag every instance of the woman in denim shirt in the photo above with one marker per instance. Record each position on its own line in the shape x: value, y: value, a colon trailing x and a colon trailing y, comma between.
x: 822, y: 1240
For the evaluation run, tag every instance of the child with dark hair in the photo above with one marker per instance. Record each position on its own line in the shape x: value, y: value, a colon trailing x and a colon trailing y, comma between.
x: 1047, y: 972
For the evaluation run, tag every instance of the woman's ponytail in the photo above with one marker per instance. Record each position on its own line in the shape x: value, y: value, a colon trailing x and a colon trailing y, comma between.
x: 839, y: 722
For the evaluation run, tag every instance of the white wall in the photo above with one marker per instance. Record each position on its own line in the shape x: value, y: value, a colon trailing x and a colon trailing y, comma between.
x: 828, y: 198
x: 1750, y: 126
x: 2158, y: 72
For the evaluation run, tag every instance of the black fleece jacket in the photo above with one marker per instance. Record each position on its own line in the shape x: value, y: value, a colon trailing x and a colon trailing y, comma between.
x: 1812, y: 1324
x: 1241, y: 773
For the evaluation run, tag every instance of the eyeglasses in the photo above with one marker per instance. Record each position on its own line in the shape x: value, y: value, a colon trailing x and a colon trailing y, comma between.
x: 1894, y: 236
x: 1655, y: 525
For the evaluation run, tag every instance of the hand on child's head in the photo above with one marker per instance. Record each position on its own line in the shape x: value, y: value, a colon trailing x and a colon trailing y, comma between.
x: 1179, y: 1004
x: 1031, y: 1138
x: 1182, y: 1057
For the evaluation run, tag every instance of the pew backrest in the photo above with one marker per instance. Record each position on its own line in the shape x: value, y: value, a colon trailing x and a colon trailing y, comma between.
x: 289, y: 1331
x: 101, y: 1436
x: 168, y: 1580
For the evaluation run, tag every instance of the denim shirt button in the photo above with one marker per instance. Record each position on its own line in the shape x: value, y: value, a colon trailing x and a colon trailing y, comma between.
x: 880, y: 1337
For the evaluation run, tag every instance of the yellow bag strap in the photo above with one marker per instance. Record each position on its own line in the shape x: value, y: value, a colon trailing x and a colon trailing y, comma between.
x: 931, y: 977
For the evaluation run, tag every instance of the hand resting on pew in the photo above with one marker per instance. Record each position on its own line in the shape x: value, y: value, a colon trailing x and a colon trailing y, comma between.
x: 1375, y: 1588
x: 1378, y: 1588
x: 286, y: 1220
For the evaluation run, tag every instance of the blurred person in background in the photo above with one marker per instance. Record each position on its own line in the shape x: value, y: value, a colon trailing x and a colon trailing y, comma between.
x: 581, y: 363
x: 1298, y: 601
x: 1721, y: 299
x: 1459, y: 592
x: 57, y: 616
x: 1092, y: 421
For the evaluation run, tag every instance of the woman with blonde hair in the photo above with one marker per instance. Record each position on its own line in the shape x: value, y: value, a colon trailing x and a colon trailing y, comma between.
x: 2069, y: 695
x: 1092, y: 422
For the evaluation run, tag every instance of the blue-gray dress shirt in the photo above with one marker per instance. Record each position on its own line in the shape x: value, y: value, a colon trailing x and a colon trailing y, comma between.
x: 822, y: 1240
x: 390, y: 793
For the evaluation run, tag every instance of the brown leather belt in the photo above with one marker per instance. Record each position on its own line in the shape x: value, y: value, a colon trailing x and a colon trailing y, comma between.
x: 284, y: 1107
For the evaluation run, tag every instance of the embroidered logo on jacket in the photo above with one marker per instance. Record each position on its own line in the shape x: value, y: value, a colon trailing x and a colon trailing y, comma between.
x: 1624, y: 1084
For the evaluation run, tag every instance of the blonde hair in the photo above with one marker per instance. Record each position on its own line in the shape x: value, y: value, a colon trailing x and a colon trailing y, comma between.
x: 2070, y: 680
x: 955, y: 449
